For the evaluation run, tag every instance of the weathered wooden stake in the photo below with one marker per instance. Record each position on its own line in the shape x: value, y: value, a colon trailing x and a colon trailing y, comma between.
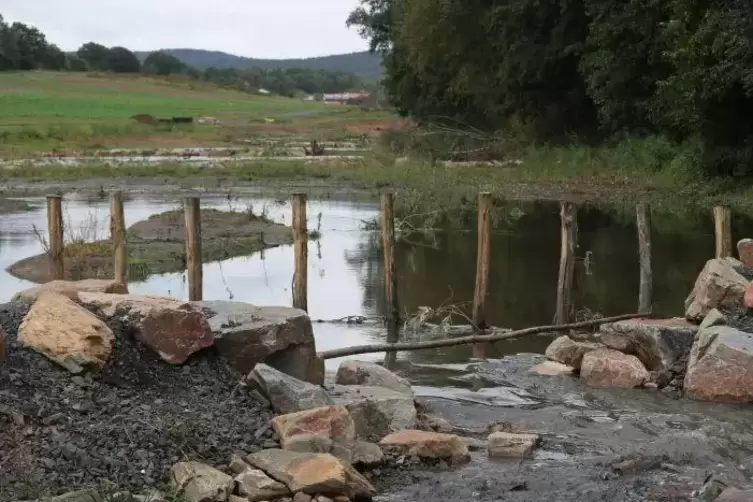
x: 723, y: 231
x: 482, y: 261
x: 192, y: 210
x: 118, y: 237
x: 646, y: 285
x: 301, y: 250
x: 388, y: 247
x: 55, y: 229
x: 569, y: 237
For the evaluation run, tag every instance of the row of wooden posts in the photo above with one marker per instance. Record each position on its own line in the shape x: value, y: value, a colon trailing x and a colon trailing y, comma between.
x: 569, y: 236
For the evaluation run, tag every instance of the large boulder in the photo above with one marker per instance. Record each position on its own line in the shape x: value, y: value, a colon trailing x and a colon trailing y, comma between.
x: 285, y: 393
x: 720, y: 366
x: 172, y: 328
x: 70, y: 289
x: 281, y: 337
x: 371, y: 375
x: 427, y: 446
x: 200, y: 483
x: 662, y: 345
x: 66, y: 333
x: 721, y: 284
x: 611, y: 368
x: 376, y: 411
x: 569, y: 352
x: 312, y: 473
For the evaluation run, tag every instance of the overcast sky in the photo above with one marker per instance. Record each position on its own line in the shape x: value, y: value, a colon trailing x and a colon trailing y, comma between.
x: 253, y: 28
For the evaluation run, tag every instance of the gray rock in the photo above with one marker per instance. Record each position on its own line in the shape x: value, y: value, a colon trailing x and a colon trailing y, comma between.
x: 721, y: 283
x: 256, y: 486
x: 280, y: 337
x: 719, y: 366
x: 201, y: 483
x: 376, y: 411
x: 662, y: 345
x: 735, y: 495
x: 286, y: 393
x: 713, y: 318
x: 569, y: 352
x: 371, y: 375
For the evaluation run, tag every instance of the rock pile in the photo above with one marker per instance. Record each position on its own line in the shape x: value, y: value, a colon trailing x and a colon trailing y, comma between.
x: 149, y: 394
x: 707, y: 354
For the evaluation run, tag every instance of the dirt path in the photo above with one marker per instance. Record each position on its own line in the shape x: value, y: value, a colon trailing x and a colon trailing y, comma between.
x: 157, y: 246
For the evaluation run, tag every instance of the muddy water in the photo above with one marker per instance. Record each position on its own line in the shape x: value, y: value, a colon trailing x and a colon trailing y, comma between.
x: 345, y: 273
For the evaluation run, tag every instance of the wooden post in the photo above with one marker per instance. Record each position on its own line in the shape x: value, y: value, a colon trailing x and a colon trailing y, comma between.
x: 723, y: 231
x: 301, y: 250
x: 482, y: 261
x: 55, y: 230
x: 569, y: 237
x: 646, y: 285
x: 194, y: 264
x: 118, y: 237
x: 388, y: 247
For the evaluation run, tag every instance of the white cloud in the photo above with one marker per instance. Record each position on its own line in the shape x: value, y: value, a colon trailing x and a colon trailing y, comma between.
x: 253, y: 28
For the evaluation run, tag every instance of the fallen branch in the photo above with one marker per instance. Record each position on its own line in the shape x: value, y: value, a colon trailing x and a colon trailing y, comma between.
x: 451, y: 342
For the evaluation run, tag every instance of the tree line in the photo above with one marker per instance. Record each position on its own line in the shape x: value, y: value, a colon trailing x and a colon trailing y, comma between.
x: 24, y: 47
x: 592, y: 69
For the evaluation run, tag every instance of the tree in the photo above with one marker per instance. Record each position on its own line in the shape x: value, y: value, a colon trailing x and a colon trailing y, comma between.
x: 121, y: 60
x: 75, y: 63
x: 162, y: 63
x: 95, y: 55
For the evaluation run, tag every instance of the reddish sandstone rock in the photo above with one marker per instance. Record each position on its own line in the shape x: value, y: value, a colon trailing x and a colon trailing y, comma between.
x: 721, y: 284
x: 569, y: 352
x: 428, y: 445
x: 333, y: 422
x: 612, y: 369
x: 172, y: 328
x: 748, y: 298
x: 745, y: 251
x: 721, y: 366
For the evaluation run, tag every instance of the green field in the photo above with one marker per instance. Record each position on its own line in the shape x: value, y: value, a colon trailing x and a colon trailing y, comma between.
x: 42, y: 112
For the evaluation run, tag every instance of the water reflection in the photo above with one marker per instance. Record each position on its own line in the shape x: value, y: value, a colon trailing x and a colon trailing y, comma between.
x: 346, y: 275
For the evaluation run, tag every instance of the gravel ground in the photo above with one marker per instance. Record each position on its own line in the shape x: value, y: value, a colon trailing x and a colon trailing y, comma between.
x: 121, y: 429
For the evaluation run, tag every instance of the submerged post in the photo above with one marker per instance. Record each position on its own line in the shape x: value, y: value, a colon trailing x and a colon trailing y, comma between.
x: 301, y: 250
x: 482, y: 261
x: 55, y: 230
x: 192, y: 210
x: 569, y: 237
x: 118, y: 237
x: 390, y: 272
x: 646, y: 285
x: 723, y: 231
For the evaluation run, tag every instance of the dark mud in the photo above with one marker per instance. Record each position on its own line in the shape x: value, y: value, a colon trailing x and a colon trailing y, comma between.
x: 157, y: 246
x: 121, y: 429
x: 12, y: 206
x: 598, y: 444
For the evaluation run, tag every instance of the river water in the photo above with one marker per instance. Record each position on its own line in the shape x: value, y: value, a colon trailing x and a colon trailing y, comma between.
x: 345, y: 265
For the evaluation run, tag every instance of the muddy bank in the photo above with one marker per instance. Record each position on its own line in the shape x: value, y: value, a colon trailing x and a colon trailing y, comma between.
x: 598, y: 444
x: 121, y: 429
x: 13, y: 206
x: 157, y: 246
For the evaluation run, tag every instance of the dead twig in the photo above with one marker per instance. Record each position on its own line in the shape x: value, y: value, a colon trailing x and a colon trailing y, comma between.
x: 491, y: 338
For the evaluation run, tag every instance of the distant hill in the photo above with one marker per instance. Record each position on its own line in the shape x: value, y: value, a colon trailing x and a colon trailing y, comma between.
x: 364, y: 64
